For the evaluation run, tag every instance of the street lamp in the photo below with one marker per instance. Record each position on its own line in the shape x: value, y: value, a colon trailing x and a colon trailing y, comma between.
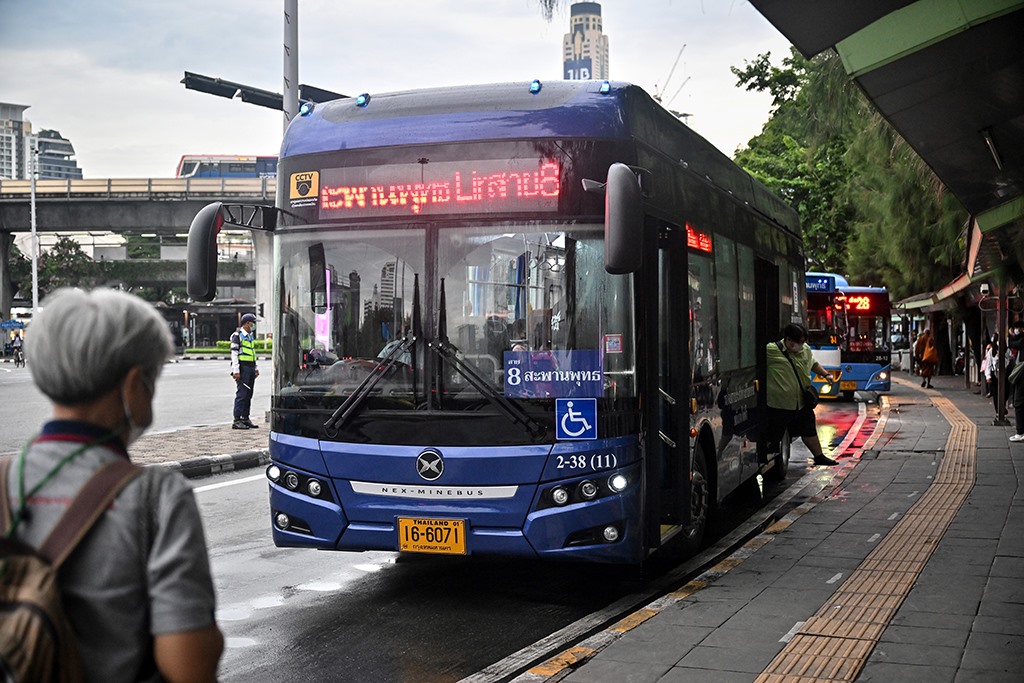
x: 33, y: 162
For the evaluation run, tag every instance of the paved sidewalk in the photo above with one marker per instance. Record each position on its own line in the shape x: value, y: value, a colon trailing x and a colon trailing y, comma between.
x: 205, y: 450
x: 961, y: 618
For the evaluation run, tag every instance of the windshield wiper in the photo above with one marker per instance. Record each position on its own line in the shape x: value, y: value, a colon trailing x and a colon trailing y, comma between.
x: 381, y: 369
x: 444, y: 348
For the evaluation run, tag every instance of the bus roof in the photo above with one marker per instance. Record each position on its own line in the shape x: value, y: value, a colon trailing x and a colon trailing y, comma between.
x: 510, y: 111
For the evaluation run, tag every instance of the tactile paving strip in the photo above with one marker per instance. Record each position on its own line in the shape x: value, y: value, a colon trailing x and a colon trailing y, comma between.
x: 836, y: 642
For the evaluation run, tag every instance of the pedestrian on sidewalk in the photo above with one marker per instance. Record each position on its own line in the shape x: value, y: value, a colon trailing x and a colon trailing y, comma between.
x: 790, y: 363
x: 243, y: 370
x: 1015, y: 342
x: 925, y: 350
x: 136, y: 589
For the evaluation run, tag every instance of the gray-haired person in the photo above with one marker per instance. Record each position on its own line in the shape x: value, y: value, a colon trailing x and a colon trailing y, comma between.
x: 137, y: 590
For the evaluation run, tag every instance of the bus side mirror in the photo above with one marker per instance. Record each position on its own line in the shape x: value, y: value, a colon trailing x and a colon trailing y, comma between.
x: 623, y: 221
x: 201, y: 264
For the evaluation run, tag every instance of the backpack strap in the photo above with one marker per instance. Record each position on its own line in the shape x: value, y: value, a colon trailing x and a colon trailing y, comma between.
x: 88, y: 506
x: 5, y: 504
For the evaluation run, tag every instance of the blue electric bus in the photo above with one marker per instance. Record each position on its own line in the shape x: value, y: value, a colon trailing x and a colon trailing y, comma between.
x: 848, y: 330
x: 522, y: 319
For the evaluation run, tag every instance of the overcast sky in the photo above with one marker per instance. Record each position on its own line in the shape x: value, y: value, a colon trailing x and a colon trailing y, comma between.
x: 106, y: 73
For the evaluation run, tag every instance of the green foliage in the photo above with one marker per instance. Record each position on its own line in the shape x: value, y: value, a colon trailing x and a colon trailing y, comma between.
x: 261, y: 345
x: 869, y: 206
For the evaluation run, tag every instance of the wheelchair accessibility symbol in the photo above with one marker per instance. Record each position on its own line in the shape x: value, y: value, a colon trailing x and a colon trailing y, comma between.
x: 575, y: 418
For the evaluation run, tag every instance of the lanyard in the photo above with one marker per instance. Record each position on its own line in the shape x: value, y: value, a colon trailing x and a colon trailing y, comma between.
x: 22, y: 512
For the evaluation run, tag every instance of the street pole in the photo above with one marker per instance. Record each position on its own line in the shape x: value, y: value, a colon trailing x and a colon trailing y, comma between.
x: 290, y: 91
x: 33, y: 154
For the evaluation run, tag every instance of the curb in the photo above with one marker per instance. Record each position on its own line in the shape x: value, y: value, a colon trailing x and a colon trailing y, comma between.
x: 208, y: 465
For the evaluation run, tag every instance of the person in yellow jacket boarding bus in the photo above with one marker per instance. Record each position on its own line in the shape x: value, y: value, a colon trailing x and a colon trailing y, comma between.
x: 790, y: 363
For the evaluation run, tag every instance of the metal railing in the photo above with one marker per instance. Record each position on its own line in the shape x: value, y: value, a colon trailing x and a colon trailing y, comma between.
x: 154, y: 189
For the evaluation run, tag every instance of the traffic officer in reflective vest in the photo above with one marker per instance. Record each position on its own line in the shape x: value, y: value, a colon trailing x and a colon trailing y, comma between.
x: 243, y: 370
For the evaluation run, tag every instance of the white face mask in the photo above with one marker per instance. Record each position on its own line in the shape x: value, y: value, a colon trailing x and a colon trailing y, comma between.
x: 794, y: 347
x: 132, y: 431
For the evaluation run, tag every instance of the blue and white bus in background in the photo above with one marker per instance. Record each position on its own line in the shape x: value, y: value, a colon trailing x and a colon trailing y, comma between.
x: 848, y: 330
x: 525, y: 319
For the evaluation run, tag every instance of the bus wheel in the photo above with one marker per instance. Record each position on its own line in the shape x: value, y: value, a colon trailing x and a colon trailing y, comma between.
x: 700, y: 505
x: 777, y: 472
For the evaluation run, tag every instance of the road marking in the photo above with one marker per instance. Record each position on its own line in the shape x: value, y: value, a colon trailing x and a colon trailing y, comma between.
x: 246, y: 480
x: 835, y: 578
x: 874, y: 538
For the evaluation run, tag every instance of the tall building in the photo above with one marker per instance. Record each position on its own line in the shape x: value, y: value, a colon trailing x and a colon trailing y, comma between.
x: 585, y: 47
x: 56, y: 153
x: 55, y: 156
x: 12, y: 141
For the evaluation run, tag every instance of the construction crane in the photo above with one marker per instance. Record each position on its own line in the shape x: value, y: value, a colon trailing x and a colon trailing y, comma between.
x: 664, y: 86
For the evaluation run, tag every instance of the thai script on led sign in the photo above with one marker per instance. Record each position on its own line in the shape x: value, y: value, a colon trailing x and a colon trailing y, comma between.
x: 695, y: 239
x: 858, y: 303
x: 445, y: 187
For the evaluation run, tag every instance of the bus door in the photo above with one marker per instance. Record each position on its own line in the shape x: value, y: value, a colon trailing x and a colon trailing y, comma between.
x: 767, y: 330
x: 669, y: 438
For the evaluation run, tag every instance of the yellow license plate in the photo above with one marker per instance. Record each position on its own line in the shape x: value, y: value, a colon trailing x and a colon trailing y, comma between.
x: 426, y: 535
x: 848, y: 386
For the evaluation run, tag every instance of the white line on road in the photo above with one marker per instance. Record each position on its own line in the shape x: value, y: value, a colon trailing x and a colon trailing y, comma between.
x: 210, y: 487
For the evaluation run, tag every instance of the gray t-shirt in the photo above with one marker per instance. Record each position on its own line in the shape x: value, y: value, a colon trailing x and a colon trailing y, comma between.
x: 142, y: 570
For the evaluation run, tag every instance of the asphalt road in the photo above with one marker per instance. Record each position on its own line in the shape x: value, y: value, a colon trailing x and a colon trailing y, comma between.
x: 188, y: 394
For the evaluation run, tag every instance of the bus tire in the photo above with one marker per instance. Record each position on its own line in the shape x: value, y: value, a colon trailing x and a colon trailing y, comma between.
x: 700, y: 505
x: 778, y: 471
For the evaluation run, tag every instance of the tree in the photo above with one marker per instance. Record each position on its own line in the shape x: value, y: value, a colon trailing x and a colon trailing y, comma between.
x: 869, y: 206
x: 66, y: 265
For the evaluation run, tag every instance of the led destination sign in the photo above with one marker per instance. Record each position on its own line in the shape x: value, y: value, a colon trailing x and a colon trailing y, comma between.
x: 443, y: 187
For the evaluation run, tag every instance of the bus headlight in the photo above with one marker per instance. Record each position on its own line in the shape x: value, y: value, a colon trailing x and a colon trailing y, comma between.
x: 291, y: 480
x: 560, y: 496
x: 587, y: 489
x: 618, y: 483
x: 883, y: 375
x: 314, y: 488
x: 274, y: 473
x: 825, y: 389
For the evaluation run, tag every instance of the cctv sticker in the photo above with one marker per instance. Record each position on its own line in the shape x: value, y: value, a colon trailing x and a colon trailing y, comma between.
x: 304, y: 188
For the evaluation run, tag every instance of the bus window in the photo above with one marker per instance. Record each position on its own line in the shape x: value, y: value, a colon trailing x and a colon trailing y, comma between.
x: 702, y: 317
x: 728, y: 305
x: 748, y: 308
x: 539, y: 290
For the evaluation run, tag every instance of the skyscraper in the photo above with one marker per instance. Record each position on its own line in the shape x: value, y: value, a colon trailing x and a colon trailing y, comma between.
x: 585, y: 47
x: 56, y: 152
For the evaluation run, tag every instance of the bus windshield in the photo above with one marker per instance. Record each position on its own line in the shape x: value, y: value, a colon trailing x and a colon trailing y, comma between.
x: 507, y: 292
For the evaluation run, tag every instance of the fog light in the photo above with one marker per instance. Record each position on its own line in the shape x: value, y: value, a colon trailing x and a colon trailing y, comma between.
x: 618, y: 482
x: 273, y: 473
x: 282, y: 520
x: 611, y: 534
x: 825, y: 389
x: 291, y: 480
x: 883, y: 376
x: 588, y: 489
x: 560, y: 496
x: 314, y: 488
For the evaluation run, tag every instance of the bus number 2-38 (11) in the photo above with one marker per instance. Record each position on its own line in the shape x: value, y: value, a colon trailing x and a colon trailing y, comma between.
x: 598, y: 461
